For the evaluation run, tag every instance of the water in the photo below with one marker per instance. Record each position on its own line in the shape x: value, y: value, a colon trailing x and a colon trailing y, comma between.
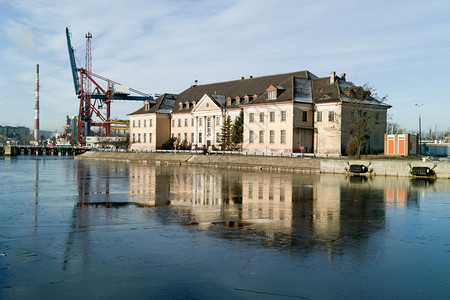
x: 103, y: 230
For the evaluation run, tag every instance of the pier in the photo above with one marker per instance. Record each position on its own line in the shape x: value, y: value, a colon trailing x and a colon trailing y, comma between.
x: 9, y: 150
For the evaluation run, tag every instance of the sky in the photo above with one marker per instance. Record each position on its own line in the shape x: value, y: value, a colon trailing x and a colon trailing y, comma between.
x: 401, y: 48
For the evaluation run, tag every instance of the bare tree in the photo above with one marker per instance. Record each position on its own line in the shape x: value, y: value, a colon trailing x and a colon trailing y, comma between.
x: 360, y: 117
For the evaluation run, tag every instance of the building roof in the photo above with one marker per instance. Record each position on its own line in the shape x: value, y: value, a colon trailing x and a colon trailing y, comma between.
x: 254, y: 86
x: 339, y: 90
x: 164, y: 105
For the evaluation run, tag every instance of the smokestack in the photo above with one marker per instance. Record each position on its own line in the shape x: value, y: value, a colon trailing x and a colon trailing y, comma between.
x: 36, y: 107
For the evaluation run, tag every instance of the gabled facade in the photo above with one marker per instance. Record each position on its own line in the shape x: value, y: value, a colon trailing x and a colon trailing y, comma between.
x: 291, y: 112
x: 269, y: 104
x: 150, y: 125
x: 337, y: 104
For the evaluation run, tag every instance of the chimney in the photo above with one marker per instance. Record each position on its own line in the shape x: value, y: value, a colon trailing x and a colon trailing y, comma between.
x: 343, y: 76
x: 332, y: 77
x: 36, y: 107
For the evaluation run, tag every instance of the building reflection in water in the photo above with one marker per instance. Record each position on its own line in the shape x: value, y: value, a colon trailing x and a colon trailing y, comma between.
x: 285, y: 210
x: 294, y: 212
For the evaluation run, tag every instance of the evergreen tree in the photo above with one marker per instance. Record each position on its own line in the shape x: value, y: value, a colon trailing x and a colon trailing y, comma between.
x: 226, y: 134
x: 237, y: 131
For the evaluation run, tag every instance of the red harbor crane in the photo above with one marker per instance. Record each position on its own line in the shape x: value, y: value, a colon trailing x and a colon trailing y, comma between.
x: 92, y: 100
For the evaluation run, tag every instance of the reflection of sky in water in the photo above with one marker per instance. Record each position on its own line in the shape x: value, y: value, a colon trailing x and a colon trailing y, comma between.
x: 81, y: 216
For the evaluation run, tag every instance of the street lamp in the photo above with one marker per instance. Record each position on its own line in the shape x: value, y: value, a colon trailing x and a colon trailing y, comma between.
x: 420, y: 130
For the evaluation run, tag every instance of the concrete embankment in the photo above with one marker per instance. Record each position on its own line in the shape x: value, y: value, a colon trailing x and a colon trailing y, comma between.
x: 378, y: 167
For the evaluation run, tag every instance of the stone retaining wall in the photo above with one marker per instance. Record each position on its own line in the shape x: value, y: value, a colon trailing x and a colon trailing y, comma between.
x: 295, y: 164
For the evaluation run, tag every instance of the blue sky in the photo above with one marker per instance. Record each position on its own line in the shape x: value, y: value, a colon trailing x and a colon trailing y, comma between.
x: 402, y: 48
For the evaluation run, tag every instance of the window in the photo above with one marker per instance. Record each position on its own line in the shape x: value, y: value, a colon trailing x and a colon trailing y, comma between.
x: 185, y: 137
x: 377, y: 118
x: 319, y: 116
x: 185, y: 123
x: 272, y: 116
x: 145, y: 123
x: 283, y: 136
x: 139, y: 123
x: 272, y: 137
x: 200, y: 137
x: 272, y: 95
x: 173, y: 123
x: 218, y: 140
x: 200, y: 122
x: 251, y: 117
x: 331, y: 116
x: 261, y: 117
x: 208, y: 124
x: 283, y: 115
x: 150, y: 135
x: 304, y: 116
x: 179, y: 122
x: 139, y: 137
x: 134, y: 123
x: 179, y: 138
x: 134, y: 138
x: 192, y: 137
x: 145, y: 138
x: 218, y: 121
x: 261, y: 136
x: 192, y: 122
x: 250, y: 136
x: 151, y: 122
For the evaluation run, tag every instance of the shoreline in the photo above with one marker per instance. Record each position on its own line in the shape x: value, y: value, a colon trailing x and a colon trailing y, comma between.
x: 378, y: 167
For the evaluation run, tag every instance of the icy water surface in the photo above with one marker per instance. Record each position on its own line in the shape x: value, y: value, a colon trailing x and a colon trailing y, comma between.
x: 100, y: 230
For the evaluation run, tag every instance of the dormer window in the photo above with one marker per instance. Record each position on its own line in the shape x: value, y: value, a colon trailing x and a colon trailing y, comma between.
x: 246, y: 99
x: 181, y: 105
x: 228, y: 101
x: 273, y: 91
x: 238, y: 100
x: 272, y: 95
x: 147, y: 105
x: 187, y: 104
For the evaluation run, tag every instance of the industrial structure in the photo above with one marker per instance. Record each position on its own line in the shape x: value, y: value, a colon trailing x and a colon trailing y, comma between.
x: 91, y: 101
x: 36, y: 108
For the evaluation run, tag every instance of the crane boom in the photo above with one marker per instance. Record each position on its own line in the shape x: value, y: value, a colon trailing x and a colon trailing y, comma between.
x: 72, y: 63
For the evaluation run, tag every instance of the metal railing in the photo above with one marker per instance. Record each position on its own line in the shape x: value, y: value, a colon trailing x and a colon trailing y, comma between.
x: 238, y: 153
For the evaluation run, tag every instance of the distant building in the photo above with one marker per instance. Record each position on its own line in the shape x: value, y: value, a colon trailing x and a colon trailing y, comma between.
x: 71, y: 126
x: 436, y: 149
x: 111, y: 142
x: 291, y: 112
x: 19, y: 134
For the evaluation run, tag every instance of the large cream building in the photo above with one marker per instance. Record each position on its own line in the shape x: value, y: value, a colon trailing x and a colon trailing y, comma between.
x: 291, y: 112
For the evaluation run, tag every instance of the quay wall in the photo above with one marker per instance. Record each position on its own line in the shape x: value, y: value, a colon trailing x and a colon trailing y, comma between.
x: 379, y: 167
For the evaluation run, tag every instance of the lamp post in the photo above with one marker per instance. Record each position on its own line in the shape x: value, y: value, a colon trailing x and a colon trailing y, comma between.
x: 420, y: 129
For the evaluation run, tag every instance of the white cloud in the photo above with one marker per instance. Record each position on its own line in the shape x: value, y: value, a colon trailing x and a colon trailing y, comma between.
x: 159, y: 46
